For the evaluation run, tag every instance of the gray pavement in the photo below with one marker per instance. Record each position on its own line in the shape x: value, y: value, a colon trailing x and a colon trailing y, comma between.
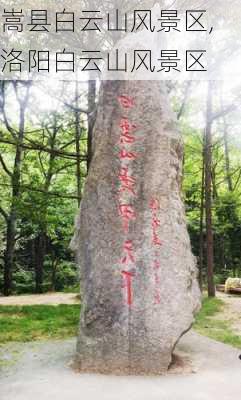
x: 42, y: 371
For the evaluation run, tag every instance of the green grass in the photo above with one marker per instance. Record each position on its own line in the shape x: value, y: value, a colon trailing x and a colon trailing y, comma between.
x: 27, y: 323
x: 72, y: 289
x: 214, y: 328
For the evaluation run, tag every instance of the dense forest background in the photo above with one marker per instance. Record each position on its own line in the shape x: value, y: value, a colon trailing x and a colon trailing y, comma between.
x: 45, y: 152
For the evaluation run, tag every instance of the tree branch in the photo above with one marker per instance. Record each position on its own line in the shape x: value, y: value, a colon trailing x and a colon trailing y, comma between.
x: 4, y: 214
x: 31, y: 189
x: 40, y: 147
x: 2, y: 107
x: 237, y: 181
x: 185, y: 98
x: 5, y: 168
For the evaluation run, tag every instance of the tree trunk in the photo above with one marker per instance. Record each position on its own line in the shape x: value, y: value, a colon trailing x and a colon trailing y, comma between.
x: 42, y: 236
x: 227, y: 158
x: 139, y: 278
x: 39, y: 261
x: 208, y: 193
x: 9, y: 255
x: 77, y: 144
x: 12, y: 220
x: 91, y: 118
x: 213, y: 184
x: 201, y: 241
x: 16, y: 182
x: 53, y: 275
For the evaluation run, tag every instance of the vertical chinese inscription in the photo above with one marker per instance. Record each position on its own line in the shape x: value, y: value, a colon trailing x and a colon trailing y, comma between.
x: 126, y: 193
x: 156, y: 243
x: 126, y: 210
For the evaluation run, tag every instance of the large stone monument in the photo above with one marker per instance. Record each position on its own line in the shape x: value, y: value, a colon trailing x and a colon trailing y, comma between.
x: 138, y: 274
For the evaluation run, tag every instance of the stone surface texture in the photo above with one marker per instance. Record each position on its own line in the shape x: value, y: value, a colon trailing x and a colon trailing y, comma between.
x: 133, y: 328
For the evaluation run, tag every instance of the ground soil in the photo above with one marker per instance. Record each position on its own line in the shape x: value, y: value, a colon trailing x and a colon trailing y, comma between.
x: 47, y: 298
x: 231, y: 311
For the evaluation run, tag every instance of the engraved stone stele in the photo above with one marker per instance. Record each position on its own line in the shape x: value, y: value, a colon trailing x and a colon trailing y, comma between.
x: 138, y: 275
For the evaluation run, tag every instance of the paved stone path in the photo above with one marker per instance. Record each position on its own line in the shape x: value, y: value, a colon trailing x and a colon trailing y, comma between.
x: 42, y: 371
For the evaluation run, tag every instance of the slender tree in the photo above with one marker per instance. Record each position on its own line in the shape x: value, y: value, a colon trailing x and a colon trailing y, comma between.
x: 91, y: 118
x: 22, y: 95
x: 201, y: 221
x: 227, y: 156
x: 77, y: 142
x: 41, y: 239
x: 208, y: 190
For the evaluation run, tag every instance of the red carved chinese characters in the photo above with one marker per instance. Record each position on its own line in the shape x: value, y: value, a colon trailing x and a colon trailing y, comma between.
x: 128, y: 249
x: 127, y: 214
x: 127, y: 136
x: 126, y: 101
x: 127, y: 182
x: 154, y: 206
x: 124, y: 154
x: 127, y: 191
x: 128, y: 276
x: 157, y: 298
x: 156, y: 242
